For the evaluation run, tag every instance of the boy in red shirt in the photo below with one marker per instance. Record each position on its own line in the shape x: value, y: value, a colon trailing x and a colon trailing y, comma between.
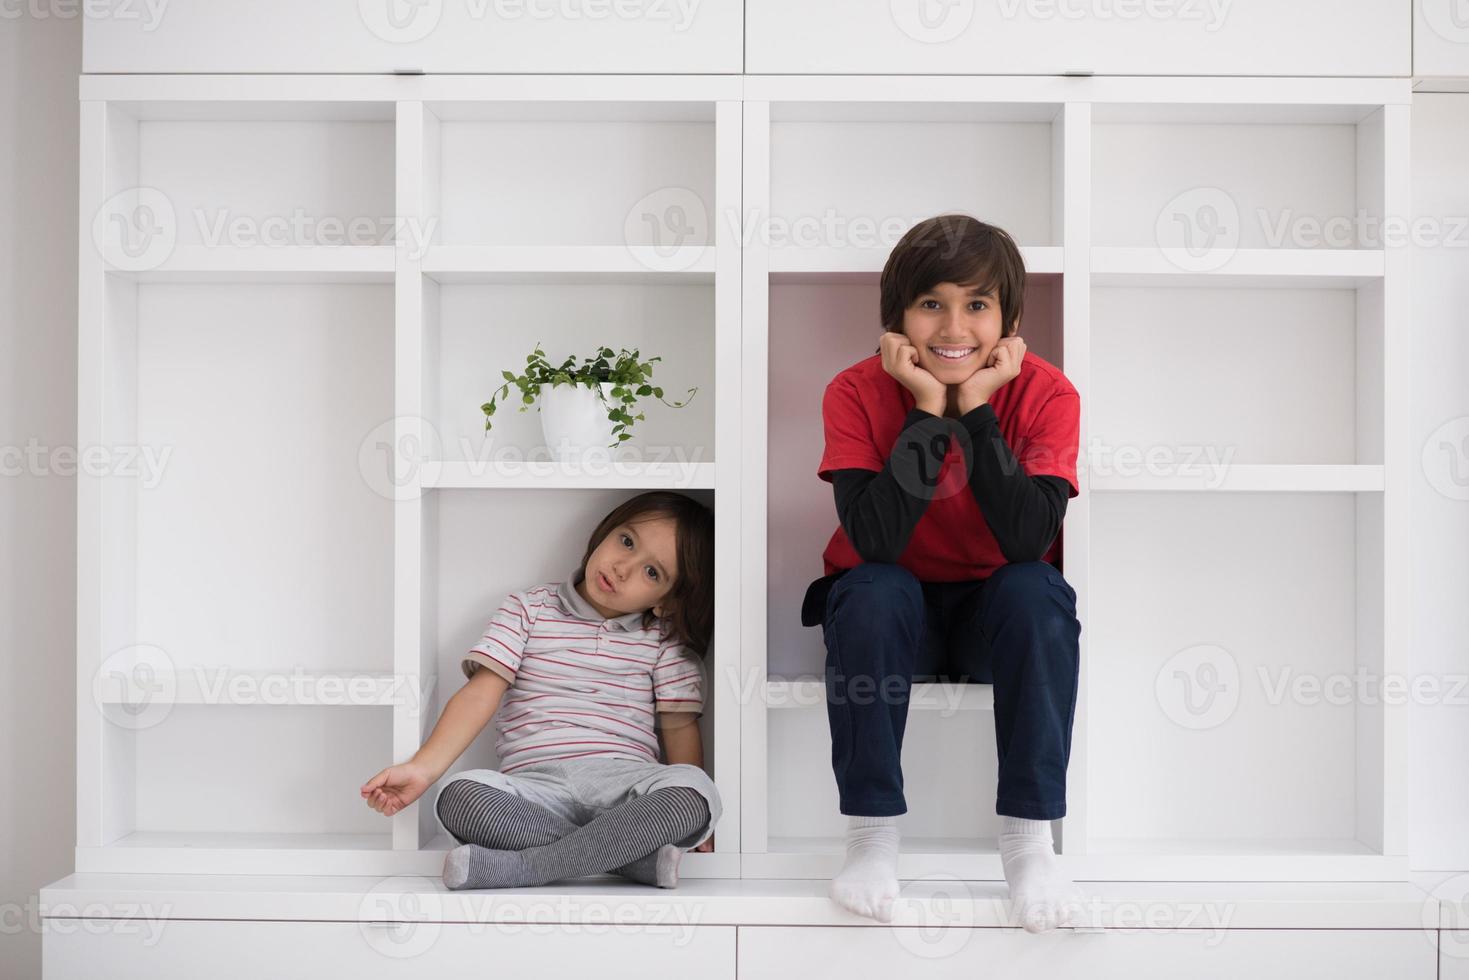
x: 952, y: 453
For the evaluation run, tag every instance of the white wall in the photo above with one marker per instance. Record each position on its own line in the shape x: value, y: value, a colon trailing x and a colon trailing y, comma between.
x: 39, y: 61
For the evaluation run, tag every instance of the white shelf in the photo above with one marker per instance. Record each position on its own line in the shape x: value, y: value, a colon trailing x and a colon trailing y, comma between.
x: 553, y: 475
x: 1262, y: 478
x: 790, y: 263
x: 1293, y: 267
x: 570, y: 263
x: 307, y: 263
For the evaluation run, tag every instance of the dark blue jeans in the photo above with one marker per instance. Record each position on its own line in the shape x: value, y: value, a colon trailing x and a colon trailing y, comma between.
x: 1017, y: 630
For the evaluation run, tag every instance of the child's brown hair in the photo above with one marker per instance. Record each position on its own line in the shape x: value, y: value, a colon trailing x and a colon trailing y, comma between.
x: 689, y: 605
x: 959, y: 249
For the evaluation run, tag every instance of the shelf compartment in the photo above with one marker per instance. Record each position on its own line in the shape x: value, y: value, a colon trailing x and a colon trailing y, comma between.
x: 255, y: 530
x: 251, y: 176
x: 473, y: 332
x: 1203, y: 382
x: 1223, y: 690
x: 281, y: 776
x: 1213, y: 178
x: 848, y: 179
x: 497, y: 173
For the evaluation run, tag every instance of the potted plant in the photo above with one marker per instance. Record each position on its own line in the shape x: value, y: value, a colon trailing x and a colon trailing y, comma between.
x: 587, y: 405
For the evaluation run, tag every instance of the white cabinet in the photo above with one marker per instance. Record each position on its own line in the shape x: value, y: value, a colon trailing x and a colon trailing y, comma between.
x: 1105, y: 37
x: 442, y: 36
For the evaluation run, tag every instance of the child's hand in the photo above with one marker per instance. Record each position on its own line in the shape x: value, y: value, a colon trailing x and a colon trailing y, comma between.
x: 900, y: 359
x: 708, y: 845
x: 1001, y: 367
x: 395, y: 787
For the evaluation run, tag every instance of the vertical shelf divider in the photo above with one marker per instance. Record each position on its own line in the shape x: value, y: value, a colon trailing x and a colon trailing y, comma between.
x: 729, y: 395
x: 755, y: 360
x: 1072, y: 217
x: 408, y: 446
x: 1399, y: 461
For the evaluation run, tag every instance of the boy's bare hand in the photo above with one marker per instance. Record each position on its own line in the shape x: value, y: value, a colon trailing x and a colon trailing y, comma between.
x: 708, y: 845
x: 1001, y: 367
x: 395, y: 787
x: 900, y: 359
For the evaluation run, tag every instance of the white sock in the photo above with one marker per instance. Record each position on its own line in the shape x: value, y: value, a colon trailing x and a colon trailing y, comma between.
x: 868, y: 882
x: 1041, y: 895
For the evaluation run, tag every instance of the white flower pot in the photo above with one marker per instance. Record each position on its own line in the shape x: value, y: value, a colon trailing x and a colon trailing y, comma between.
x: 574, y: 420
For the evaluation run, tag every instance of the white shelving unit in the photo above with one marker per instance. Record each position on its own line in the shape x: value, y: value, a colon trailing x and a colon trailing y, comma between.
x: 332, y: 509
x: 1259, y: 379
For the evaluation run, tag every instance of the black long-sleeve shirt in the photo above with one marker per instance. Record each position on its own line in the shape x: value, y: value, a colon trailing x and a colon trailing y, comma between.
x: 879, y: 510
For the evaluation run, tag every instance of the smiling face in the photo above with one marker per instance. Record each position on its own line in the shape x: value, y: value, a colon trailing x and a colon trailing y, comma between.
x: 633, y: 568
x: 953, y: 319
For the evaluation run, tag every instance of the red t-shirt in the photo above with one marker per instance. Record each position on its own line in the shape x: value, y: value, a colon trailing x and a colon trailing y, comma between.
x: 862, y: 413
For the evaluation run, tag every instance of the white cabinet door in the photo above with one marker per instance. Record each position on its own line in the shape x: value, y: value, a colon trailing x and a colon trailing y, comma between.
x: 163, y: 949
x: 376, y: 36
x: 1106, y: 37
x: 1133, y: 954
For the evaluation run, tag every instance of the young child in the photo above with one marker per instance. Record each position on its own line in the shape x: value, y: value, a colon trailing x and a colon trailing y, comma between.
x: 586, y: 677
x: 952, y: 453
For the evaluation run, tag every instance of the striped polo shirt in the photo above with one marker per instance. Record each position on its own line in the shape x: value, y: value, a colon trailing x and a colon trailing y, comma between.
x: 580, y: 685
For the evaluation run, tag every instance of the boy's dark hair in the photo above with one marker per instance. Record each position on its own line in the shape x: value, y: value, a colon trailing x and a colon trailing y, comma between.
x: 959, y: 249
x: 689, y: 605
